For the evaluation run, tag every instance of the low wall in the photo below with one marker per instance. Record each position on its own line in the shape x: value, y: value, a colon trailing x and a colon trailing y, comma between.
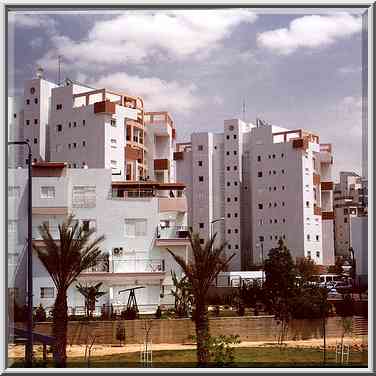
x: 260, y: 328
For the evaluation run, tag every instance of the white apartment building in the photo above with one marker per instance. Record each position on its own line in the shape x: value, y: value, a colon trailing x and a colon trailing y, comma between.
x: 253, y: 185
x: 140, y: 220
x: 350, y: 201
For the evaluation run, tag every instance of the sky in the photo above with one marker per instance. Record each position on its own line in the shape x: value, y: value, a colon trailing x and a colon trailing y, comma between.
x: 294, y: 69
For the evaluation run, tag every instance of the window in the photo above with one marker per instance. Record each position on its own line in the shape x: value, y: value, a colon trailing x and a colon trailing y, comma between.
x: 12, y: 225
x: 113, y: 163
x: 35, y: 121
x: 47, y: 292
x: 270, y: 221
x: 228, y: 168
x: 227, y: 153
x: 284, y: 220
x: 236, y: 215
x: 307, y: 204
x: 231, y: 127
x: 200, y: 163
x: 308, y: 237
x: 201, y: 178
x: 259, y: 158
x: 59, y: 127
x: 14, y: 191
x: 270, y: 189
x: 27, y: 122
x: 36, y: 100
x: 345, y: 211
x: 283, y: 171
x: 273, y: 156
x: 283, y: 203
x: 235, y: 168
x: 274, y: 172
x: 282, y: 155
x: 283, y: 187
x: 274, y: 188
x: 15, y: 116
x: 275, y: 204
x: 270, y: 204
x: 235, y: 152
x: 135, y: 227
x: 74, y: 145
x: 236, y: 246
x: 35, y: 140
x: 32, y: 90
x: 270, y: 172
x: 84, y: 143
x: 74, y: 124
x: 201, y: 225
x: 345, y: 220
x: 309, y: 254
x: 236, y: 183
x: 259, y: 174
x: 70, y: 125
x: 236, y: 231
x: 228, y: 183
x: 228, y: 199
x: 69, y: 146
x: 215, y: 147
x: 113, y: 123
x: 317, y: 254
x: 229, y: 231
x: 229, y: 246
x: 27, y: 101
x: 275, y: 221
x: 227, y: 137
x: 260, y: 206
x: 83, y: 122
x: 83, y: 196
x: 200, y: 147
x: 228, y: 215
x: 234, y: 136
x: 269, y: 156
x: 317, y: 238
x: 261, y: 238
x: 59, y: 106
x: 47, y: 192
x: 235, y: 199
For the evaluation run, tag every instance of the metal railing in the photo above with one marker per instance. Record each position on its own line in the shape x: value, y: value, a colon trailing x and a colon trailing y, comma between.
x: 176, y: 232
x: 138, y: 266
x: 54, y: 231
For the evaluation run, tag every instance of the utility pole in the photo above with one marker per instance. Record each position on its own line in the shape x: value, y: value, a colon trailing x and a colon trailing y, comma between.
x: 58, y: 63
x: 29, y: 344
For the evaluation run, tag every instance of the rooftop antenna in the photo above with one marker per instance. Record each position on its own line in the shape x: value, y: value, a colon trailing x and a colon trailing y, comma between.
x: 243, y: 109
x: 58, y: 63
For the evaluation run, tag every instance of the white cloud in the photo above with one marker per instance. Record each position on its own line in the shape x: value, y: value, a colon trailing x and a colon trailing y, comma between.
x: 32, y: 21
x: 158, y: 95
x: 310, y: 32
x: 349, y: 70
x: 136, y: 37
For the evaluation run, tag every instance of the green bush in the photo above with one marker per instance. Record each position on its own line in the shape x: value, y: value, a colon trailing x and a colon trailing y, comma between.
x: 158, y: 314
x: 40, y: 314
x: 130, y: 313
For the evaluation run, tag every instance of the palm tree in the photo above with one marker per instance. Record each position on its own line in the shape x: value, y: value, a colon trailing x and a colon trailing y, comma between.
x: 91, y: 295
x: 201, y: 272
x: 64, y: 260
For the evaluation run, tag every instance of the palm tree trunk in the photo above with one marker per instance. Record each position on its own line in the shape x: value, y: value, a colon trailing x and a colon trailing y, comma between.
x: 60, y: 327
x: 202, y: 334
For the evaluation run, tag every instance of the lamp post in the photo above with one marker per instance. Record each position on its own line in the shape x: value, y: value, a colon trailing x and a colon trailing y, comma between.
x: 212, y: 223
x: 29, y: 345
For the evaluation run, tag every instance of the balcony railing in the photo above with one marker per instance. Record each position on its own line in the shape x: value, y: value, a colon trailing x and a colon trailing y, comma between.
x: 54, y: 231
x: 138, y: 266
x: 177, y: 232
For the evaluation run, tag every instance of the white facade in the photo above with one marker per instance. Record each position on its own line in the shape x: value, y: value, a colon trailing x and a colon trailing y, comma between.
x: 266, y: 183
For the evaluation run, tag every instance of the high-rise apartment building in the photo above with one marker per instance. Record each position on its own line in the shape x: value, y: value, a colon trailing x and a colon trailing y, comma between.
x: 255, y: 184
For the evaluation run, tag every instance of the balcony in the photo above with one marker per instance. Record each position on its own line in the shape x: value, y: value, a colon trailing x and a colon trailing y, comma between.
x: 161, y: 164
x: 138, y: 266
x: 327, y: 215
x: 54, y: 231
x: 326, y: 185
x: 177, y: 235
x: 106, y: 107
x: 170, y: 204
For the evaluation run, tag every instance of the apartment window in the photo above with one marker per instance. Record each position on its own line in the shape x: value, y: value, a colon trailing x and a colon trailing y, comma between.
x: 259, y: 174
x: 283, y: 236
x: 236, y: 231
x: 32, y: 90
x: 113, y: 123
x: 47, y: 192
x: 274, y: 172
x: 36, y: 100
x: 200, y: 147
x: 260, y: 206
x: 234, y: 136
x: 307, y: 204
x: 35, y: 121
x: 228, y: 199
x: 270, y: 221
x: 283, y: 203
x: 317, y: 237
x: 215, y: 147
x: 309, y: 254
x: 35, y: 140
x: 259, y: 158
x: 74, y: 124
x: 269, y: 156
x: 15, y: 116
x: 229, y: 246
x: 201, y: 178
x: 236, y: 183
x: 275, y: 221
x: 275, y: 237
x: 113, y: 163
x: 231, y: 127
x: 70, y: 125
x: 84, y: 143
x: 317, y: 254
x: 236, y: 215
x: 261, y: 222
x: 282, y: 155
x: 274, y: 188
x: 200, y: 163
x: 284, y: 220
x: 345, y: 220
x: 69, y: 146
x: 228, y: 183
x: 308, y: 237
x: 236, y: 246
x: 27, y: 122
x: 227, y: 153
x: 235, y: 168
x: 270, y: 189
x: 229, y: 231
x: 283, y: 187
x: 201, y: 225
x: 59, y: 106
x: 83, y: 122
x: 12, y: 226
x: 27, y: 101
x: 14, y: 191
x: 228, y: 215
x: 135, y: 227
x: 346, y: 211
x: 273, y: 156
x: 270, y: 204
x: 235, y: 152
x: 84, y: 196
x: 74, y: 165
x: 235, y: 199
x: 270, y: 172
x: 283, y: 171
x: 47, y: 292
x: 227, y: 137
x: 74, y: 145
x: 59, y: 127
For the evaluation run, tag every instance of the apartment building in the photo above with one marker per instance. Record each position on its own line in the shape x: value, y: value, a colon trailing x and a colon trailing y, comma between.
x: 255, y: 184
x: 93, y: 128
x: 350, y: 202
x: 140, y: 220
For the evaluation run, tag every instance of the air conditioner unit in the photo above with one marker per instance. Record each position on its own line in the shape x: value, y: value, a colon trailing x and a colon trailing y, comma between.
x: 117, y: 251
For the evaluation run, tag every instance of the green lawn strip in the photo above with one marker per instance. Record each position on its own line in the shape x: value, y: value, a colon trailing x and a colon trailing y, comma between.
x: 244, y: 357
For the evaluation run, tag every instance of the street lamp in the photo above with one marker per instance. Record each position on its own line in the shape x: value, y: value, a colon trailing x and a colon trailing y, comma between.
x: 261, y: 245
x: 29, y: 344
x: 212, y: 223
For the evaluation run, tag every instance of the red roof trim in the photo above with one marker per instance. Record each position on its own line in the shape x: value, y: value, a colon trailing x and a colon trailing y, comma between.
x: 50, y: 164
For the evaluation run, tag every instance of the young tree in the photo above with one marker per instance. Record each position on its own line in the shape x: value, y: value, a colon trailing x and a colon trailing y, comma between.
x: 64, y: 259
x: 306, y: 269
x: 280, y: 285
x: 207, y: 262
x: 182, y: 294
x: 91, y: 295
x: 337, y: 267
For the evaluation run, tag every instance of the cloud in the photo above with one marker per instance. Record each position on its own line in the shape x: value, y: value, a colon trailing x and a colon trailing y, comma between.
x: 136, y: 37
x: 158, y: 95
x: 310, y: 32
x: 32, y: 21
x: 349, y: 70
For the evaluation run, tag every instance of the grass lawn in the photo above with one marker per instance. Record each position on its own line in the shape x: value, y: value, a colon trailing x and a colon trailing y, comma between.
x: 244, y: 357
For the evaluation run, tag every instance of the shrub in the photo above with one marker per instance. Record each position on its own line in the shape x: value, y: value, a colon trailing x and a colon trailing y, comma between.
x: 40, y: 314
x: 120, y: 333
x: 130, y: 313
x: 216, y: 311
x: 158, y: 313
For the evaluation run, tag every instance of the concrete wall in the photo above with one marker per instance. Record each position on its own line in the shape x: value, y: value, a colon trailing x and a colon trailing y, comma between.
x: 261, y: 328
